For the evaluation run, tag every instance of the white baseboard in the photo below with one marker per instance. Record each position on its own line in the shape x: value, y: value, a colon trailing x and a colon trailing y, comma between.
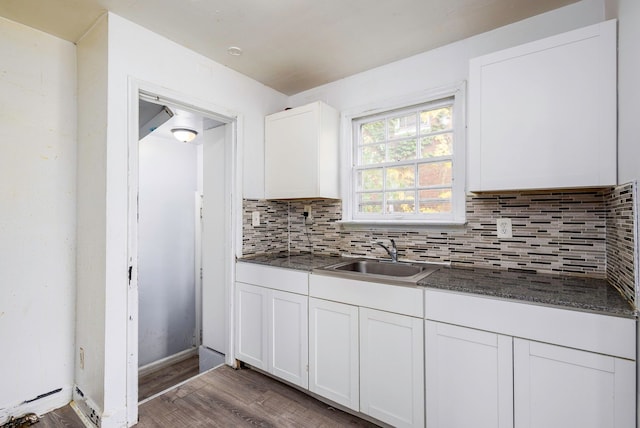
x: 167, y: 361
x: 38, y: 406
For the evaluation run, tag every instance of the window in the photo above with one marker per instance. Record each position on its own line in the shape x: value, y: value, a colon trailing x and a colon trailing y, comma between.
x: 405, y: 167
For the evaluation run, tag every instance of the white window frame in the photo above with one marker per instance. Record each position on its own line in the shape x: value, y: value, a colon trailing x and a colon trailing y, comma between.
x: 457, y: 214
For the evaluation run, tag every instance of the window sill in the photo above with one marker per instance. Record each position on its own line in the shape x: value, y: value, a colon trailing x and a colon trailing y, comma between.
x: 400, y: 224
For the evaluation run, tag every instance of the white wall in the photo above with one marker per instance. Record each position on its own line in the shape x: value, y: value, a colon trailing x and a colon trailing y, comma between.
x: 446, y: 65
x: 138, y: 55
x: 166, y: 248
x: 37, y: 218
x: 91, y: 230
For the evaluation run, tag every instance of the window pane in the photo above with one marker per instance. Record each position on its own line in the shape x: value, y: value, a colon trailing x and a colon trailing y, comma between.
x: 400, y: 177
x: 401, y: 150
x: 372, y: 132
x: 370, y: 203
x: 402, y: 126
x: 436, y: 120
x: 401, y: 202
x: 436, y: 145
x: 435, y: 200
x: 434, y: 174
x: 372, y: 154
x: 370, y: 179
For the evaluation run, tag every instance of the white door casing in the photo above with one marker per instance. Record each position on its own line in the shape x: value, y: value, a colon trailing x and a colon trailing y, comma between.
x: 233, y: 219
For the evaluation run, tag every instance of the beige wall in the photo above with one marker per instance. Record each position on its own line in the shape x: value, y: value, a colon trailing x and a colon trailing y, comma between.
x: 37, y: 218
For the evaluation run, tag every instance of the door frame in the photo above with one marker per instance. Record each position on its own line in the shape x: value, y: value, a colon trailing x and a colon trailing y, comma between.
x: 233, y: 216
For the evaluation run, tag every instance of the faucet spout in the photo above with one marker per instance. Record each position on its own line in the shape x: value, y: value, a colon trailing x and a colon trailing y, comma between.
x: 393, y: 251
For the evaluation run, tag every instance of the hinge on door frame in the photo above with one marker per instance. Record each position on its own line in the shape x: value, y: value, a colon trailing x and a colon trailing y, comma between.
x: 130, y: 273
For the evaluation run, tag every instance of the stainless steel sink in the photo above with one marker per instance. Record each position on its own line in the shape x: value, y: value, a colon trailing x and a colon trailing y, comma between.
x: 380, y: 270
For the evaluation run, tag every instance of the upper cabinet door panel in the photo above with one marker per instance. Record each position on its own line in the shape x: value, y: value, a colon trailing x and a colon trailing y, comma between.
x: 301, y: 153
x: 543, y: 115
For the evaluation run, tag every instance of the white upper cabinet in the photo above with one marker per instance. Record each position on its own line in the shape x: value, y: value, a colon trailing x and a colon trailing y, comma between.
x: 543, y: 115
x: 301, y: 153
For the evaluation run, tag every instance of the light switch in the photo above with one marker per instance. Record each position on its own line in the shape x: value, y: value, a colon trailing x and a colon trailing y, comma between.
x: 255, y: 218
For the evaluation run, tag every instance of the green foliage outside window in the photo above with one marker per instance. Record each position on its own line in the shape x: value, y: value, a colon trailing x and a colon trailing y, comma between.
x: 404, y: 162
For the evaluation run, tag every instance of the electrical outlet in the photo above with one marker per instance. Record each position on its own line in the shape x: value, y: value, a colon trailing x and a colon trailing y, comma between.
x: 255, y: 218
x: 504, y: 228
x: 307, y: 209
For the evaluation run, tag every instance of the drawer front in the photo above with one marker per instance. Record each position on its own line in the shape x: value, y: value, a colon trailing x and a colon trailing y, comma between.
x: 391, y: 298
x: 575, y: 329
x: 293, y: 281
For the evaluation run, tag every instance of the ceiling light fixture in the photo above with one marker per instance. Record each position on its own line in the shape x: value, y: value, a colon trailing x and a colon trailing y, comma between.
x: 185, y: 135
x: 234, y: 51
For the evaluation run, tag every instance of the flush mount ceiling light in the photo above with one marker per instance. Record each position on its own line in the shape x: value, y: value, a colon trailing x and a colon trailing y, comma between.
x: 234, y: 51
x: 185, y: 135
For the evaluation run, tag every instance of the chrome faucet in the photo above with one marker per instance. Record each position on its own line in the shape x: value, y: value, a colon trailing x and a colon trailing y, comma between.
x: 393, y: 251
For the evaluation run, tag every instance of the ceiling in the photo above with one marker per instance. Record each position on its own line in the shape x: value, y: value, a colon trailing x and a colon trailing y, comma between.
x: 290, y: 45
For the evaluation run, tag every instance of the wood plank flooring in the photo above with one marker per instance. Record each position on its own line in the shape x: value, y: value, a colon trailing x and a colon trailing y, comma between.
x: 157, y: 381
x: 225, y: 397
x: 65, y: 417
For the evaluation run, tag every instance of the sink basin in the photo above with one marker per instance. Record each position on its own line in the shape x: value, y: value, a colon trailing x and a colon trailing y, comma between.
x: 380, y: 270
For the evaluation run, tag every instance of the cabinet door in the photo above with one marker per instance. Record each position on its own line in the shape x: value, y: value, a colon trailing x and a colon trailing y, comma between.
x: 333, y: 351
x: 288, y: 344
x: 471, y: 370
x: 291, y: 153
x: 556, y: 387
x: 392, y: 367
x: 251, y: 324
x: 543, y: 114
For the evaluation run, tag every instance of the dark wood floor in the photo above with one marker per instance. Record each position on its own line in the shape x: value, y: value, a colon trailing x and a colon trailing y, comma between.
x: 157, y: 381
x: 225, y: 397
x: 64, y: 417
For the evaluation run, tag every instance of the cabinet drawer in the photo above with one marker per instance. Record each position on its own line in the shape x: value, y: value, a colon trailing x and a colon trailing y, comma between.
x: 293, y: 281
x: 391, y: 298
x: 575, y: 329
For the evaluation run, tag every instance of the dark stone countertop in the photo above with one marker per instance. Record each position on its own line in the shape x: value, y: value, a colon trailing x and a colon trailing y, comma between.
x: 297, y: 261
x: 568, y: 292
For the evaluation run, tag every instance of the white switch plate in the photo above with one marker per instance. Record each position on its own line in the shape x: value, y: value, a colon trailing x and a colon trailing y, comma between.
x: 504, y: 228
x: 255, y: 218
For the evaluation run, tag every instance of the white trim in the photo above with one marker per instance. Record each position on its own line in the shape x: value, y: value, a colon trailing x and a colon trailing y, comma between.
x: 234, y: 214
x: 197, y: 334
x: 458, y: 92
x: 38, y: 406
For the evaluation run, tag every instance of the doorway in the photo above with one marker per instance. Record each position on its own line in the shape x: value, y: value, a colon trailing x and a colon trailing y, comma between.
x: 182, y: 242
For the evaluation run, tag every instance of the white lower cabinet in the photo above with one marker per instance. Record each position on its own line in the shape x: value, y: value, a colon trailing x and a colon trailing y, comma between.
x: 368, y: 360
x: 469, y: 377
x: 251, y: 325
x: 570, y: 368
x: 271, y: 331
x: 288, y: 336
x: 392, y: 367
x: 557, y: 387
x: 333, y: 352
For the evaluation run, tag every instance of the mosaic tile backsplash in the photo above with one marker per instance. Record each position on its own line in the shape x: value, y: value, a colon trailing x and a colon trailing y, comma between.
x: 574, y: 232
